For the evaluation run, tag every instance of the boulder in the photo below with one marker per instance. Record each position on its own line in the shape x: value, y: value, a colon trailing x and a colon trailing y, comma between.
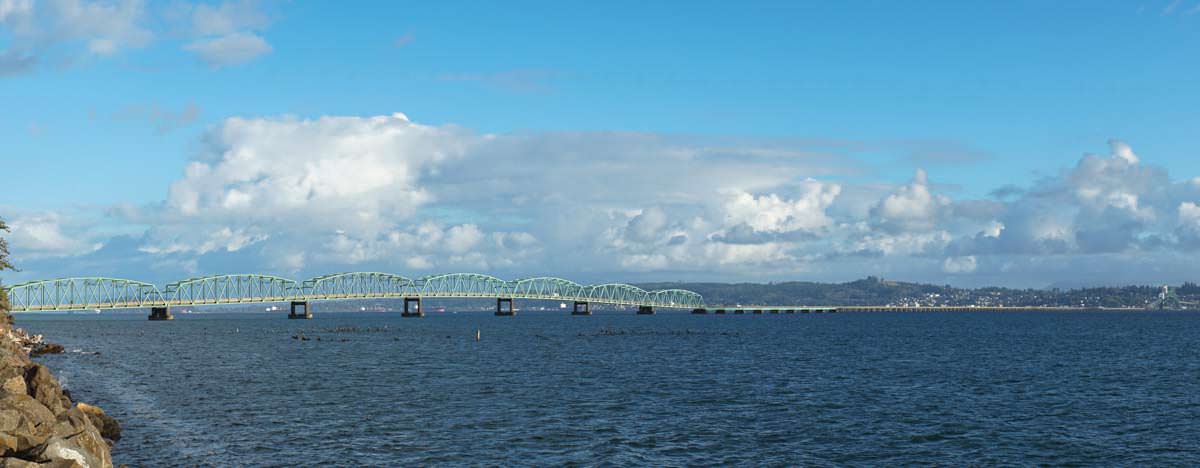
x: 109, y: 427
x: 46, y: 348
x: 42, y: 386
x: 76, y: 439
x: 25, y: 425
x: 10, y: 462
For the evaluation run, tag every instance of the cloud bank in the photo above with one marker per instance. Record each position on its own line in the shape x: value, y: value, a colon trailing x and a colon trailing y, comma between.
x: 307, y: 196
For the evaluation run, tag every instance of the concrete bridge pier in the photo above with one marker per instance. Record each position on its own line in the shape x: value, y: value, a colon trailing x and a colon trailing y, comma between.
x: 416, y: 310
x: 645, y: 310
x: 503, y: 312
x: 699, y: 311
x: 721, y: 311
x: 161, y: 313
x: 305, y: 314
x: 582, y: 308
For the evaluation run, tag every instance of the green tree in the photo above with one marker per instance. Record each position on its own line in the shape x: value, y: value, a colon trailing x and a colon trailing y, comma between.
x: 4, y: 265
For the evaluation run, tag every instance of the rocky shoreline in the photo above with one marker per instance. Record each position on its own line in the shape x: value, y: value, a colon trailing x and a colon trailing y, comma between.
x: 39, y: 424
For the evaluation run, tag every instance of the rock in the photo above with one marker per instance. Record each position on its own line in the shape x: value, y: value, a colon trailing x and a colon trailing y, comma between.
x: 38, y: 424
x: 109, y: 427
x: 25, y: 425
x: 45, y: 388
x: 46, y: 348
x: 11, y: 462
x: 76, y: 439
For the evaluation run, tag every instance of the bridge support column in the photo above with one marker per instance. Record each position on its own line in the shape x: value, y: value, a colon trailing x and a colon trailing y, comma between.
x: 720, y: 311
x: 582, y: 308
x: 416, y: 310
x: 699, y: 311
x: 161, y: 313
x: 501, y: 311
x: 645, y: 310
x: 306, y: 314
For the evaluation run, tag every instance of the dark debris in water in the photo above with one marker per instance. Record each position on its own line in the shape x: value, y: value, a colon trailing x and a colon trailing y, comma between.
x: 608, y: 331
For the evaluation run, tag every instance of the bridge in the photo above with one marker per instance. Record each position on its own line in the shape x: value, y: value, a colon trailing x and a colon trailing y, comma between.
x: 100, y: 293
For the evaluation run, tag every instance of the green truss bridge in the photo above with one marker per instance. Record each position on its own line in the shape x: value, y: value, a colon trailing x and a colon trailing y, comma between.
x: 114, y: 293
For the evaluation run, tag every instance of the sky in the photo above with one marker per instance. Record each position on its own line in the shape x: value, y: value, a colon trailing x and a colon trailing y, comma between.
x: 1024, y: 144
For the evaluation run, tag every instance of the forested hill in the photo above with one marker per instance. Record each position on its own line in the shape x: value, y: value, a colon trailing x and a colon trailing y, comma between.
x: 877, y: 291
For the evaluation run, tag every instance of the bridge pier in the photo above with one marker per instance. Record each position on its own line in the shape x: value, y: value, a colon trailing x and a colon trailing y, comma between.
x: 307, y: 314
x: 161, y: 313
x: 501, y: 311
x: 645, y: 310
x: 585, y: 310
x: 699, y: 311
x: 416, y: 310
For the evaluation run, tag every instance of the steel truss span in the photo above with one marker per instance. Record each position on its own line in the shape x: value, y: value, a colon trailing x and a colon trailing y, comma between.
x: 116, y: 293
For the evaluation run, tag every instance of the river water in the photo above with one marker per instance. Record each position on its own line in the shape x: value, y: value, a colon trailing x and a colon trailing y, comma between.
x: 1095, y: 388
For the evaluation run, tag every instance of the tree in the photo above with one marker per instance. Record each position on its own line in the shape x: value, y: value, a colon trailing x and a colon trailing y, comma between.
x: 4, y: 265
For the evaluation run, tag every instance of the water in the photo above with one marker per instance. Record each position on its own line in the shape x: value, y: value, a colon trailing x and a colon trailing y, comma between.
x: 673, y: 389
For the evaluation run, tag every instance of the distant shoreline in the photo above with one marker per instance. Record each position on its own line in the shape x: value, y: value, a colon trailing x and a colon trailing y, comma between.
x: 997, y: 309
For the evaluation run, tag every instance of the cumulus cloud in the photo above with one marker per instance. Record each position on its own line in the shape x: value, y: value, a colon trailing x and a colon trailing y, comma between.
x: 955, y: 265
x: 309, y: 196
x: 770, y: 213
x: 332, y: 172
x: 911, y: 207
x: 42, y: 235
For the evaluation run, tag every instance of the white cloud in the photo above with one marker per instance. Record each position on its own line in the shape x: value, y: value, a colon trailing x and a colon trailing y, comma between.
x: 229, y: 33
x: 770, y: 213
x: 331, y: 173
x: 384, y: 193
x: 226, y: 238
x: 911, y: 207
x: 230, y: 49
x: 460, y: 239
x: 103, y: 28
x: 1189, y: 223
x: 41, y: 235
x: 956, y: 265
x: 228, y: 17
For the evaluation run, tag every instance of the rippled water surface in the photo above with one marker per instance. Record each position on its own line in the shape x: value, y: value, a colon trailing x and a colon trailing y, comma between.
x: 618, y: 389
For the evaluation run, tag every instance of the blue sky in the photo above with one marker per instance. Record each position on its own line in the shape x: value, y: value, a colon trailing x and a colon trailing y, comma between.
x: 771, y: 140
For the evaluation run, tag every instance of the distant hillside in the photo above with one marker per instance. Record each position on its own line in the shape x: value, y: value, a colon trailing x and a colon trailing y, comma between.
x: 877, y: 291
